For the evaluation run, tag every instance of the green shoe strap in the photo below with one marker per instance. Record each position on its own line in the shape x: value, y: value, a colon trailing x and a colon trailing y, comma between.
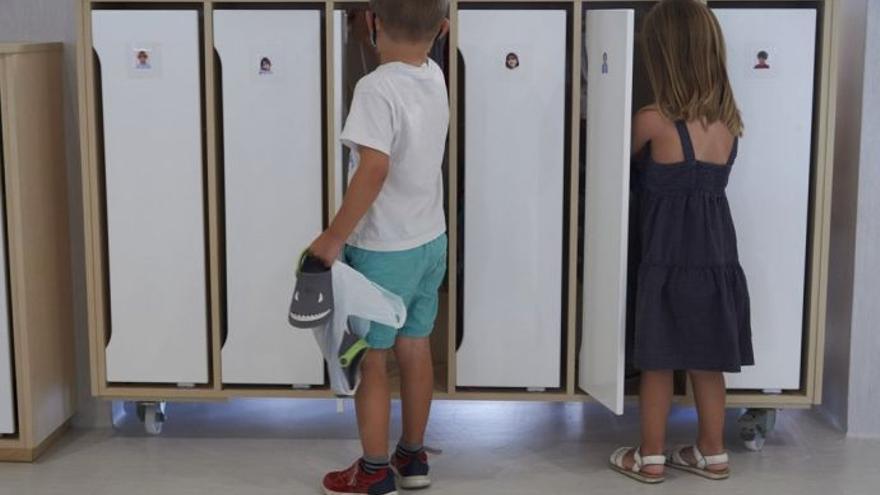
x: 348, y: 357
x: 302, y: 259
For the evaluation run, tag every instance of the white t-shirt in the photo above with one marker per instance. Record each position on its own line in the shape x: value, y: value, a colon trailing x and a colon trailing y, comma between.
x: 403, y: 111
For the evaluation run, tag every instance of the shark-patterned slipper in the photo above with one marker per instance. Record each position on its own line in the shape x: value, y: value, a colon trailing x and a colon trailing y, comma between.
x: 312, y: 303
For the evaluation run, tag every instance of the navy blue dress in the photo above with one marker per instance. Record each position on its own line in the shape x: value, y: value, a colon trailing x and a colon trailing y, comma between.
x: 691, y: 301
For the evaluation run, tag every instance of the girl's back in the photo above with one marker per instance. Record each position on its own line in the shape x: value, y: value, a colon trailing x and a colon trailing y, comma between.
x: 712, y: 144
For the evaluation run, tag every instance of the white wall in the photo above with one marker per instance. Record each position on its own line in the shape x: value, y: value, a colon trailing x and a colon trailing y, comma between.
x: 55, y: 20
x: 851, y: 391
x: 864, y: 386
x: 850, y: 55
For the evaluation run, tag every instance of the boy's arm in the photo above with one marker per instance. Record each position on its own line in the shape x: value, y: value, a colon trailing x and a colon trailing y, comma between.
x: 362, y: 191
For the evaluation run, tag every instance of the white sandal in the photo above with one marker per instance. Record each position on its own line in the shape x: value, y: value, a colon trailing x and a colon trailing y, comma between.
x: 701, y: 468
x: 639, y: 463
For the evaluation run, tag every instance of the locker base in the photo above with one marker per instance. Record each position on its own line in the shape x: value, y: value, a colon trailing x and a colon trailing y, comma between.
x: 20, y: 453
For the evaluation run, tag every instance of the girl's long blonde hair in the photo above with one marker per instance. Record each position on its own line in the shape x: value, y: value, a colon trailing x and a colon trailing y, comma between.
x: 686, y: 60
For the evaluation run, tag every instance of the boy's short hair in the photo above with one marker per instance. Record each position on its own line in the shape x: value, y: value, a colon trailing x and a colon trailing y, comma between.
x: 411, y: 20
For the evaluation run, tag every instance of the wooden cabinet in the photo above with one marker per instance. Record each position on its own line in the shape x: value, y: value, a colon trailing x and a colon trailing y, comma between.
x: 37, y: 377
x: 542, y: 315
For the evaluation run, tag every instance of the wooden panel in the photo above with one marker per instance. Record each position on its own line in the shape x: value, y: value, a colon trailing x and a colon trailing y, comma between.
x: 17, y: 451
x: 212, y: 193
x: 38, y: 243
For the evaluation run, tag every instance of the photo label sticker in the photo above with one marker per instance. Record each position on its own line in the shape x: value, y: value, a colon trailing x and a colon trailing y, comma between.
x: 512, y: 61
x: 268, y: 63
x: 144, y: 60
x: 265, y: 66
x: 761, y: 61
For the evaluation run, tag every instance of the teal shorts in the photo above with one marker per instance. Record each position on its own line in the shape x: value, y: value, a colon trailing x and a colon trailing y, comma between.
x: 415, y: 275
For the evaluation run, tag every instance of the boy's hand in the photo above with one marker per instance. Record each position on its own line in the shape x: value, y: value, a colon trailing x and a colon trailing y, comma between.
x: 327, y: 247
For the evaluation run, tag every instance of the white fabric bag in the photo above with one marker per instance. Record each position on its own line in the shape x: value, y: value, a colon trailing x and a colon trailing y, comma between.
x: 357, y: 302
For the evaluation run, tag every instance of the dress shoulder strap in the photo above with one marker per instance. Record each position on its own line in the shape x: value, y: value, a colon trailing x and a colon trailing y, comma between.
x: 687, y: 145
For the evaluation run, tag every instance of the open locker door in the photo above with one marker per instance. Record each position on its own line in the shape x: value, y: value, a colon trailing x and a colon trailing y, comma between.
x: 271, y: 73
x: 609, y: 45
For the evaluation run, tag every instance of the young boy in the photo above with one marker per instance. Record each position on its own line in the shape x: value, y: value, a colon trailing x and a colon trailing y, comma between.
x: 393, y: 223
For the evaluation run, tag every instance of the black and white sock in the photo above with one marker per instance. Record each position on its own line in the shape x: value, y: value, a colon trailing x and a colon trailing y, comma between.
x: 371, y: 465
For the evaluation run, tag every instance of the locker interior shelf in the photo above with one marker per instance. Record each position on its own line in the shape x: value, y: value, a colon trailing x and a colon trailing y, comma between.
x: 337, y: 78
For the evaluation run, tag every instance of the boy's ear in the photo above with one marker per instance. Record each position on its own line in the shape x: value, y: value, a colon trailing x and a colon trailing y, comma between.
x: 372, y: 28
x: 444, y: 29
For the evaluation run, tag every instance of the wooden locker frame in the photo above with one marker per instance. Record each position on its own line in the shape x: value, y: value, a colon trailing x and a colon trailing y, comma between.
x: 38, y: 236
x: 809, y: 394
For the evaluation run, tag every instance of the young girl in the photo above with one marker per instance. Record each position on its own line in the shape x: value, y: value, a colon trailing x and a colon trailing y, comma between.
x: 692, y: 303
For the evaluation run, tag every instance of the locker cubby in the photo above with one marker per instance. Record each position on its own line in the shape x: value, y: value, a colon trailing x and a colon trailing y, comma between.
x: 151, y: 169
x: 270, y: 108
x: 353, y: 58
x: 513, y: 254
x: 345, y: 56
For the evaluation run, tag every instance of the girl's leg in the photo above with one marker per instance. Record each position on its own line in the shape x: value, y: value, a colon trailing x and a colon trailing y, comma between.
x: 655, y: 400
x: 711, y: 396
x: 373, y: 404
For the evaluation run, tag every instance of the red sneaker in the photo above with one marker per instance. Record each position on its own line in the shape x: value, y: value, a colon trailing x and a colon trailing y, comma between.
x: 356, y: 481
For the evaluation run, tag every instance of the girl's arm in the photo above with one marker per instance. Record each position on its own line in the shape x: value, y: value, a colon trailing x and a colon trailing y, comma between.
x: 645, y: 125
x: 362, y: 191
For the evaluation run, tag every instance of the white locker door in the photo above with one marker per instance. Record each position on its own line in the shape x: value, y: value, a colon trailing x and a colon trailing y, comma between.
x: 151, y: 90
x: 271, y: 71
x: 7, y: 385
x: 514, y: 185
x: 769, y: 187
x: 609, y: 45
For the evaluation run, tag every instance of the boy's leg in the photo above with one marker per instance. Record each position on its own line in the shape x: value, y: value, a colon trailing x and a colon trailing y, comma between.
x: 710, y: 395
x: 413, y: 345
x: 372, y: 473
x: 413, y: 351
x: 655, y: 400
x: 416, y: 387
x: 373, y: 404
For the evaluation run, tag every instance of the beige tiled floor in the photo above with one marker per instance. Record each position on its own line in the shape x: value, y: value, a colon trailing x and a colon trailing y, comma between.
x: 284, y: 447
